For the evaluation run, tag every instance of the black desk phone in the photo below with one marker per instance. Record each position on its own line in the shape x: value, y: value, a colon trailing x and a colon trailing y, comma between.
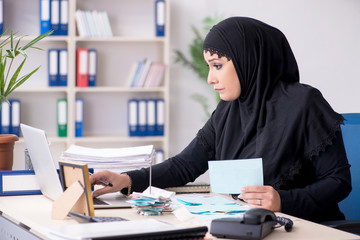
x: 256, y: 223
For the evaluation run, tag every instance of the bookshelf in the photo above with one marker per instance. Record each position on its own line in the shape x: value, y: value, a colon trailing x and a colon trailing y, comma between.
x: 105, y: 105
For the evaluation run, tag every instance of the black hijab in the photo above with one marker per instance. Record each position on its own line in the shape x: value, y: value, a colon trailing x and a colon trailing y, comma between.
x: 275, y: 118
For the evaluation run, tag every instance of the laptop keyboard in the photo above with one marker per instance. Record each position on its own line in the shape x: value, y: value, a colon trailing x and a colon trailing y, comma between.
x: 98, y: 201
x: 108, y: 219
x: 82, y: 218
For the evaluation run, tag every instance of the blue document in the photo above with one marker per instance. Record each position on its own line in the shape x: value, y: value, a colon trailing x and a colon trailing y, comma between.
x: 53, y: 67
x: 133, y: 121
x: 79, y: 117
x: 92, y: 67
x: 160, y: 18
x: 18, y: 182
x: 44, y: 16
x: 1, y: 16
x: 55, y: 16
x: 229, y: 176
x: 64, y: 17
x: 5, y: 115
x: 62, y: 67
x: 15, y: 117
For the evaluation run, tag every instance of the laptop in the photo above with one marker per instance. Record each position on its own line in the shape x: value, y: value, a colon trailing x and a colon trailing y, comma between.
x: 47, y: 175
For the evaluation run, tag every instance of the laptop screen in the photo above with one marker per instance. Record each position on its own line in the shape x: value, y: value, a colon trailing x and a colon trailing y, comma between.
x: 42, y: 161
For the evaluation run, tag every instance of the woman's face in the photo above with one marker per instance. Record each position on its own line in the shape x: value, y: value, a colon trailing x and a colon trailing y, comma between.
x: 223, y: 76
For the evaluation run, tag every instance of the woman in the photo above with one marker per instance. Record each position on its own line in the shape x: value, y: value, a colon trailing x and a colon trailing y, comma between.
x: 265, y: 113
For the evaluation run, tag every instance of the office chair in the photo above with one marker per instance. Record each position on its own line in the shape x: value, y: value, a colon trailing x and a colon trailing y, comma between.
x: 350, y: 206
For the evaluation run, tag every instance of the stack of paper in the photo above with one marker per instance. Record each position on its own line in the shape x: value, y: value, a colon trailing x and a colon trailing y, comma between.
x: 114, y: 159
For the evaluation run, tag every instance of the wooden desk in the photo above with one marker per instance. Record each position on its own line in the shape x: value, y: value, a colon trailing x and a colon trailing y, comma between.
x: 30, y: 215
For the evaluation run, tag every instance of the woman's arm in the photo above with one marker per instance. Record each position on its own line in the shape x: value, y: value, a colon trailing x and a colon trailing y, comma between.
x: 318, y: 201
x: 176, y: 171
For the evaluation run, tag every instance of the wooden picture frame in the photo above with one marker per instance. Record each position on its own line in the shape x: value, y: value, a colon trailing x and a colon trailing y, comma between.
x: 77, y: 196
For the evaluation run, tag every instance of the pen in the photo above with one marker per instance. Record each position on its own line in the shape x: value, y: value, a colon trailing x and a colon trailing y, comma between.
x: 103, y: 181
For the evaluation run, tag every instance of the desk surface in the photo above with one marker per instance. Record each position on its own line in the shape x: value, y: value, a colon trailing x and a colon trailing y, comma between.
x: 34, y: 211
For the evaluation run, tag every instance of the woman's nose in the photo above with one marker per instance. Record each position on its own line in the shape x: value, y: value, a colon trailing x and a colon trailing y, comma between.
x: 211, y: 79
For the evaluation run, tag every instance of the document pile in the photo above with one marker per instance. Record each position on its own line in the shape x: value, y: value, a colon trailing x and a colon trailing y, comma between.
x: 153, y: 201
x: 114, y: 159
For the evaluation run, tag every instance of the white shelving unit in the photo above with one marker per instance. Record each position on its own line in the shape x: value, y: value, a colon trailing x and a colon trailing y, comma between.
x: 105, y: 106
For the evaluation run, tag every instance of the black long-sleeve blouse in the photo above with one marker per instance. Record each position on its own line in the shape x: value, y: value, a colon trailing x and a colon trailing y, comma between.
x: 313, y: 194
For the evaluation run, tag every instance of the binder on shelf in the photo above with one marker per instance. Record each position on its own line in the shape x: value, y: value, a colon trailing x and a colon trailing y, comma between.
x: 142, y: 117
x: 160, y: 18
x: 15, y: 117
x: 92, y: 67
x: 155, y: 75
x: 82, y: 57
x: 1, y: 16
x: 62, y: 117
x: 5, y: 118
x: 133, y: 117
x: 107, y: 24
x: 63, y: 67
x: 100, y: 23
x: 55, y: 16
x: 91, y: 24
x: 131, y: 74
x: 160, y: 117
x: 159, y: 156
x: 44, y: 16
x: 143, y: 73
x: 79, y: 117
x: 80, y: 24
x: 18, y: 182
x: 64, y: 17
x: 53, y: 67
x: 137, y: 73
x: 150, y: 117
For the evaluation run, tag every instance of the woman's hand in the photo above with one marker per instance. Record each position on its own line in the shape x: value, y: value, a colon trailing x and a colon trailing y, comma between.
x: 118, y: 181
x: 261, y: 197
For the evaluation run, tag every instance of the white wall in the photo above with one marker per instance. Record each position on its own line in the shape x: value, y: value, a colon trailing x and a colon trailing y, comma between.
x: 324, y: 35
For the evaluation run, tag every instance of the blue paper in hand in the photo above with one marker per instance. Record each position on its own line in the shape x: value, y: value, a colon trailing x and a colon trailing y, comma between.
x: 229, y: 176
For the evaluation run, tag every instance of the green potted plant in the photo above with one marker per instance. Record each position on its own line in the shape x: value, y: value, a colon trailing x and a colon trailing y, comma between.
x: 10, y: 79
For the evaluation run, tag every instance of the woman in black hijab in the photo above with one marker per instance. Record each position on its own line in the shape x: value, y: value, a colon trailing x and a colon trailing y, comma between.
x: 265, y: 113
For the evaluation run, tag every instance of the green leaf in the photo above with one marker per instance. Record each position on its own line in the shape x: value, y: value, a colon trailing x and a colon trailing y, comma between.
x: 13, y: 50
x: 37, y: 39
x: 20, y: 81
x: 2, y: 73
x: 4, y: 42
x: 13, y: 79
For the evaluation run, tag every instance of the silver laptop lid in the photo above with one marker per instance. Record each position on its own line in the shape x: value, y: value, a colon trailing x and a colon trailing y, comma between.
x: 42, y: 161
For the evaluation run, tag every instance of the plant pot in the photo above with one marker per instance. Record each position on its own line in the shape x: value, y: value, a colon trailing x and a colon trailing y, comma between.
x: 7, y: 142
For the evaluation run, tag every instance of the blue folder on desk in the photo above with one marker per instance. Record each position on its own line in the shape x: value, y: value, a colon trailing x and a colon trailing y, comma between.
x: 18, y: 182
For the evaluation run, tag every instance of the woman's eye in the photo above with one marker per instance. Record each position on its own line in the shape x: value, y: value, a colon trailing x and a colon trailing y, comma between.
x: 217, y: 66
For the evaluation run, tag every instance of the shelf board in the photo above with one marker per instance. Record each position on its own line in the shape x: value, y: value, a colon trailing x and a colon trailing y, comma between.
x: 90, y: 89
x: 94, y: 139
x: 118, y: 89
x: 28, y: 38
x: 93, y: 39
x: 120, y: 39
x: 41, y: 89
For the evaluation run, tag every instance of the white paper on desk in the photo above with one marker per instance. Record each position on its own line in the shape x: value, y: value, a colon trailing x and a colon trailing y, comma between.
x: 155, y: 192
x: 108, y: 229
x: 229, y: 176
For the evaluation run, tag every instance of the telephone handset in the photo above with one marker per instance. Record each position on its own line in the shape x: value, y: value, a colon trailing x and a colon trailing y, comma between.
x: 256, y: 223
x: 258, y: 216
